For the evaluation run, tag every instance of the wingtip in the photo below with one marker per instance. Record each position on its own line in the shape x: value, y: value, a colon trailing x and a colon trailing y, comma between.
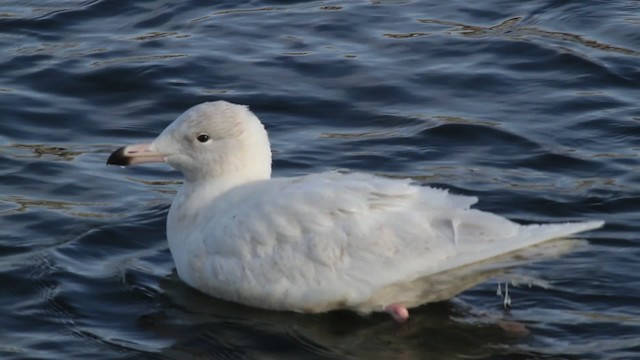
x: 595, y: 224
x: 118, y: 158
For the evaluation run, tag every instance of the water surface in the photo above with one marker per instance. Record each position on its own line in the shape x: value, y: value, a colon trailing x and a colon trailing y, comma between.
x: 532, y: 106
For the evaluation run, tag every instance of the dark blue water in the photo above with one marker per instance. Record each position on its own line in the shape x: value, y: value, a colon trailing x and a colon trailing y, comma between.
x: 532, y: 106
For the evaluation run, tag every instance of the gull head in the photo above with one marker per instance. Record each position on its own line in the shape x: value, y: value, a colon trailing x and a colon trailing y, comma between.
x: 210, y: 140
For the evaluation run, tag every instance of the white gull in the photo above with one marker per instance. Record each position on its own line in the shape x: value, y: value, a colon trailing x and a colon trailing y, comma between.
x: 318, y: 242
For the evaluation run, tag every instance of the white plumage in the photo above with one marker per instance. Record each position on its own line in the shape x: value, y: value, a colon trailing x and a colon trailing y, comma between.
x: 318, y: 242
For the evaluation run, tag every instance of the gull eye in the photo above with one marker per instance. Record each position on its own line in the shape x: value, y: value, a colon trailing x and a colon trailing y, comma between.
x: 203, y: 138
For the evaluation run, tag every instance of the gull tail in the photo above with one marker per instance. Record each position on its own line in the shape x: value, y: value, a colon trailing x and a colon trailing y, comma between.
x: 526, y: 236
x: 537, y: 233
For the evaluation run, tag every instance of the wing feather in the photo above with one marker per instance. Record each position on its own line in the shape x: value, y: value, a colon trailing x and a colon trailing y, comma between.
x: 333, y: 240
x: 335, y: 233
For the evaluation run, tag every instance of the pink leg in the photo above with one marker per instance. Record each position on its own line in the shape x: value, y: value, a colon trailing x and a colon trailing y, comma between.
x: 398, y: 312
x: 513, y: 328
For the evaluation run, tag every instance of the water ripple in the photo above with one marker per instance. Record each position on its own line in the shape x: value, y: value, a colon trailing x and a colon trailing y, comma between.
x: 532, y: 106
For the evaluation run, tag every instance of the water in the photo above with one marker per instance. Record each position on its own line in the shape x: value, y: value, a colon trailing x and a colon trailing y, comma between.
x: 532, y: 106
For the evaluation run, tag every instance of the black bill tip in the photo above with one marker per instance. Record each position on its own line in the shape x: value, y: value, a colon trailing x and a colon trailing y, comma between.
x: 119, y: 158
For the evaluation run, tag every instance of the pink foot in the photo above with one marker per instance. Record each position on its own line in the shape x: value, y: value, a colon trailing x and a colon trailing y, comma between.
x: 398, y: 312
x: 513, y: 328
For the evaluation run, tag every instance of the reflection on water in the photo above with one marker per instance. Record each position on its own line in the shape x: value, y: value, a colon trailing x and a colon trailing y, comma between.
x: 513, y: 29
x: 40, y: 150
x: 137, y: 59
x: 23, y: 204
x: 196, y: 318
x: 531, y: 106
